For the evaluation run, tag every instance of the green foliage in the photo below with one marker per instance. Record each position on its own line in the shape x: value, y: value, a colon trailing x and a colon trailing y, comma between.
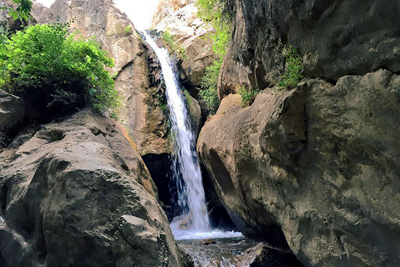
x: 23, y: 11
x: 208, y: 94
x: 248, y: 95
x: 214, y: 12
x: 171, y: 42
x: 188, y: 97
x: 169, y: 39
x: 128, y: 30
x: 293, y: 68
x: 58, y: 71
x: 122, y: 30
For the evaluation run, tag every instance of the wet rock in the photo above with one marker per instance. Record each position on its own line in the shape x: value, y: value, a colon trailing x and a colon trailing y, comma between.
x: 12, y: 111
x: 194, y: 113
x: 78, y: 194
x: 206, y: 242
x: 313, y: 169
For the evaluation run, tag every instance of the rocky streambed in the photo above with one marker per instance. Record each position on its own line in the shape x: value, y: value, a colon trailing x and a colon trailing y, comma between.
x: 236, y: 251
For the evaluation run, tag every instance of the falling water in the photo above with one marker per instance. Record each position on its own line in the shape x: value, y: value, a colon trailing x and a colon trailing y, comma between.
x: 191, y: 194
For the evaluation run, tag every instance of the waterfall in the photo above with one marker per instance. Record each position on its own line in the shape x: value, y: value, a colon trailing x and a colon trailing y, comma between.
x: 191, y: 196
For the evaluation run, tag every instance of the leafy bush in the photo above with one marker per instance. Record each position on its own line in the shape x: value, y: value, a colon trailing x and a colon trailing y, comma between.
x: 293, y: 68
x: 171, y: 42
x: 128, y: 30
x: 57, y: 71
x: 169, y: 39
x: 248, y: 95
x: 214, y: 12
x: 208, y: 94
x: 23, y: 11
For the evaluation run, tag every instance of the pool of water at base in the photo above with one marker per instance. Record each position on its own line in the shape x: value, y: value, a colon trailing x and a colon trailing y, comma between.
x: 226, y: 252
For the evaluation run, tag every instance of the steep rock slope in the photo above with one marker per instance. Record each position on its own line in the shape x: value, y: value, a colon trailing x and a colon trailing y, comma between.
x: 140, y: 114
x: 78, y: 194
x: 336, y: 37
x: 316, y: 166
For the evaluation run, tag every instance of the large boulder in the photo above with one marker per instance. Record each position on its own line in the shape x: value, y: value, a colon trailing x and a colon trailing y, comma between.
x: 12, y: 110
x: 78, y: 194
x: 314, y: 169
x: 336, y: 37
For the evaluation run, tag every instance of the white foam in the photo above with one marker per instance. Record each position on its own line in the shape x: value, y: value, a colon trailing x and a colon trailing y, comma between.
x: 215, y: 234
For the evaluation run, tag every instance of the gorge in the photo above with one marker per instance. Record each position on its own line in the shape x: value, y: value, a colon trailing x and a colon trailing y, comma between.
x: 273, y: 143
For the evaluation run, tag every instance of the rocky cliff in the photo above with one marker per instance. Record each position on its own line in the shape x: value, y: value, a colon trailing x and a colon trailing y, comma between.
x: 336, y: 37
x: 180, y: 19
x: 313, y: 169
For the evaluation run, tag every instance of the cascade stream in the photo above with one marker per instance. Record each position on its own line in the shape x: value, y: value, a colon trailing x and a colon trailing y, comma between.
x: 191, y: 196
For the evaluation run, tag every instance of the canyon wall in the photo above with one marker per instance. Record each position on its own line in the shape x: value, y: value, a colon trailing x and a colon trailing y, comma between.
x: 314, y: 168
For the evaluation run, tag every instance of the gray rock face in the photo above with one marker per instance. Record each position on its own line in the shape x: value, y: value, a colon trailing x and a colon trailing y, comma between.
x: 12, y: 110
x: 336, y: 37
x: 78, y: 194
x: 316, y: 166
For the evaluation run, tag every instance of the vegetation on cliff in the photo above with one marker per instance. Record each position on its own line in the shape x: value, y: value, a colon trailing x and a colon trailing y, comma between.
x: 23, y: 11
x: 215, y: 13
x: 178, y: 50
x: 293, y: 68
x: 58, y: 71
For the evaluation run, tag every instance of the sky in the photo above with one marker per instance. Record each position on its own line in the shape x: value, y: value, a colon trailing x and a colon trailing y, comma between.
x: 139, y: 11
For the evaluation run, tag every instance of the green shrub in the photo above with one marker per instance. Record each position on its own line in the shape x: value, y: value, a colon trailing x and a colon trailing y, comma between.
x: 128, y: 30
x: 23, y: 11
x: 175, y: 48
x: 248, y: 95
x: 169, y: 39
x: 293, y: 68
x: 208, y: 94
x: 214, y: 13
x: 58, y: 71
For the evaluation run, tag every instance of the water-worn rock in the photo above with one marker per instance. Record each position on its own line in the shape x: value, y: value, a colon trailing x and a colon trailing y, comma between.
x: 336, y: 38
x: 12, y: 110
x: 78, y: 194
x: 316, y: 166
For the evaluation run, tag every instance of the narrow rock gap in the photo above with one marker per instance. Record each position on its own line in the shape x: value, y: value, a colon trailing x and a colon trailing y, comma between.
x: 3, y: 199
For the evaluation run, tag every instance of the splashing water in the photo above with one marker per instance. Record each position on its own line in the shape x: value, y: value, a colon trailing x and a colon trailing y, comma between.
x: 191, y: 196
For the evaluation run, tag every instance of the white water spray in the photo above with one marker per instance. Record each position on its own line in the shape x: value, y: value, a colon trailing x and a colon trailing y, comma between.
x: 192, y: 194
